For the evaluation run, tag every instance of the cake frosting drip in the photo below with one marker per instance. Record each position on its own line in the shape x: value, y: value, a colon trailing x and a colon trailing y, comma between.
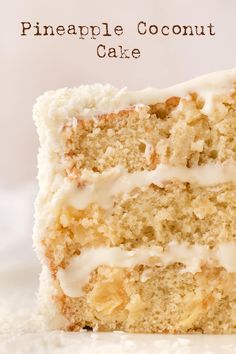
x: 94, y: 100
x: 101, y: 188
x: 76, y: 275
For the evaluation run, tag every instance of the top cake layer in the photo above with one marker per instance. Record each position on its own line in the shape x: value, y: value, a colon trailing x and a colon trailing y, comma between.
x: 90, y: 101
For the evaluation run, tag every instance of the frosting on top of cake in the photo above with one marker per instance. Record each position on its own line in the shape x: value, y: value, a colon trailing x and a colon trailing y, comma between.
x: 90, y: 101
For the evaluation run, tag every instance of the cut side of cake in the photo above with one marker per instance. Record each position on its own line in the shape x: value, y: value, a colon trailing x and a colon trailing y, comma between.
x: 135, y: 221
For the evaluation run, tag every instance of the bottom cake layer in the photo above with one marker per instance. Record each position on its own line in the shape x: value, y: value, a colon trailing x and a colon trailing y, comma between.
x: 148, y: 299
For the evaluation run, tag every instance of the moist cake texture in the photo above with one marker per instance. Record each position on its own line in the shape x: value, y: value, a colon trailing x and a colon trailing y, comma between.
x: 135, y: 221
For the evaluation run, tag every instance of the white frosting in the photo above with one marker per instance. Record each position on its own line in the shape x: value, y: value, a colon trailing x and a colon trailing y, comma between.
x: 93, y: 100
x: 100, y: 188
x: 207, y: 87
x: 226, y: 255
x: 55, y: 109
x: 76, y: 275
x: 149, y: 150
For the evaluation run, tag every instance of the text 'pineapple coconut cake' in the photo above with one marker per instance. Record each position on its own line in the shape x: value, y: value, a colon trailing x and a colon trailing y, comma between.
x: 136, y: 214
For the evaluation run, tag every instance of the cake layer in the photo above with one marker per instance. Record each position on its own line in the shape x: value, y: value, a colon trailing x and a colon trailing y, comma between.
x: 147, y: 299
x: 192, y: 258
x: 175, y: 131
x: 152, y: 216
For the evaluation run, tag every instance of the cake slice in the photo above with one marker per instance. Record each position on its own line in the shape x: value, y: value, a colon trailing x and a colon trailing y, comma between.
x: 136, y: 214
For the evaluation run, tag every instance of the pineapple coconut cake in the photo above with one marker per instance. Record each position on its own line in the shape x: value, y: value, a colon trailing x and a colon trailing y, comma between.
x: 135, y: 220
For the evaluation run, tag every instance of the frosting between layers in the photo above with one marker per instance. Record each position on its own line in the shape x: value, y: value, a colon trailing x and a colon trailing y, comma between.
x: 76, y: 275
x: 101, y: 188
